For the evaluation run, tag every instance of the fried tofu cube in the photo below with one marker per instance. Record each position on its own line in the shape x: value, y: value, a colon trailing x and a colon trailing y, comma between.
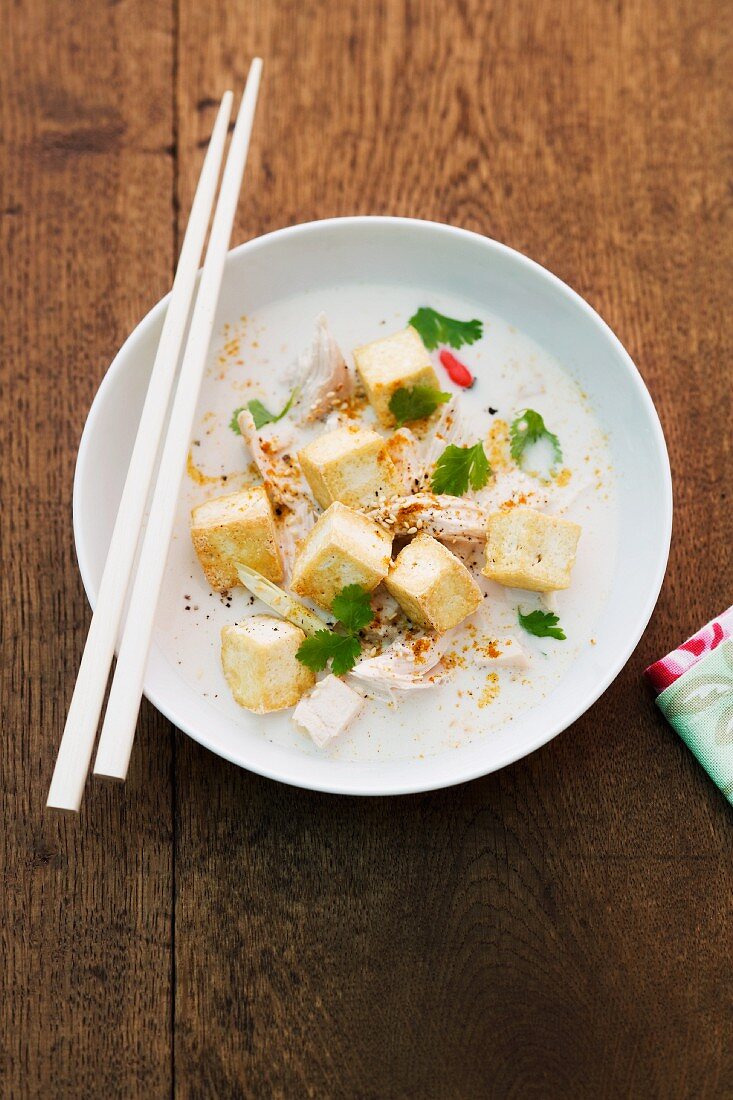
x: 528, y: 549
x: 344, y: 547
x: 351, y: 465
x: 260, y: 666
x: 239, y: 527
x: 391, y: 363
x: 431, y: 585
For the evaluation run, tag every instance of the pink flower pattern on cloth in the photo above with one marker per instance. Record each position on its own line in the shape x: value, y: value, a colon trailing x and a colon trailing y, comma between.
x: 669, y: 669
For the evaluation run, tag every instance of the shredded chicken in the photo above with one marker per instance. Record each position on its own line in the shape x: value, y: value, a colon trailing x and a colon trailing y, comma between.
x: 453, y: 519
x: 389, y: 620
x: 403, y: 448
x: 406, y: 665
x: 320, y: 377
x: 284, y: 482
x: 449, y: 428
x: 327, y: 710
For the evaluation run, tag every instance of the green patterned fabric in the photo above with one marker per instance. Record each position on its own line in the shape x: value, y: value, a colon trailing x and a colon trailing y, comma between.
x: 700, y: 707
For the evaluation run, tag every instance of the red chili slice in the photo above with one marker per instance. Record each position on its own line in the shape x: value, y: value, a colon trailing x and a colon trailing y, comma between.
x: 457, y: 371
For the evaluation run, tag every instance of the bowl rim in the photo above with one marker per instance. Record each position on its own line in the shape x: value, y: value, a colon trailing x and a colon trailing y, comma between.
x: 365, y: 784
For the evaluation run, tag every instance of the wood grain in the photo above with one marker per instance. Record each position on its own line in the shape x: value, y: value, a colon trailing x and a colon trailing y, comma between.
x: 562, y: 928
x: 86, y: 177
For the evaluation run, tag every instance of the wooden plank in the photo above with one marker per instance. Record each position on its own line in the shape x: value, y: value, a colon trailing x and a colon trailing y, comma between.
x: 562, y: 928
x: 86, y: 176
x: 559, y: 929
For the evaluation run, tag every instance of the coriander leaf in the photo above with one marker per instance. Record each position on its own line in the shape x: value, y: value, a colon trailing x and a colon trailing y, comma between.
x: 415, y: 403
x: 529, y: 428
x: 234, y: 422
x: 459, y: 467
x: 345, y: 653
x: 353, y: 608
x: 315, y: 652
x: 434, y: 328
x: 543, y: 624
x: 342, y: 650
x: 262, y: 416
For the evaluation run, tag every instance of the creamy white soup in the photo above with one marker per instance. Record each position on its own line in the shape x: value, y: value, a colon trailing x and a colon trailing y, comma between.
x: 491, y: 667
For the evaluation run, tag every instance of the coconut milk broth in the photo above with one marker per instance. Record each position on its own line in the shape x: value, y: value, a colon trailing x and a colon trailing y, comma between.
x: 512, y: 373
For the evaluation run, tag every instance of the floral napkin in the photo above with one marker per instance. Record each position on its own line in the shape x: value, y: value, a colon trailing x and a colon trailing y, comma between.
x: 694, y: 686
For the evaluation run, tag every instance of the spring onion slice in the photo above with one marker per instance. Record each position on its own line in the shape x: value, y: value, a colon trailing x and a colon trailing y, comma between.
x: 280, y: 601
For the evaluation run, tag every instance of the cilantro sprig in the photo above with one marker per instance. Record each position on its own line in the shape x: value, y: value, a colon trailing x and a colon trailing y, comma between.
x: 435, y: 328
x: 459, y: 467
x: 342, y: 650
x: 415, y: 403
x: 543, y: 624
x: 529, y: 428
x: 234, y: 422
x: 260, y: 414
x: 353, y: 610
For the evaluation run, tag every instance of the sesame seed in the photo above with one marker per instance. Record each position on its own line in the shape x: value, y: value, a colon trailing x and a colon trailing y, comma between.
x: 412, y: 530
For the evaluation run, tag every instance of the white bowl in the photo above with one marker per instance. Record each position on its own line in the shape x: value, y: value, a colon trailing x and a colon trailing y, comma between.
x: 437, y: 259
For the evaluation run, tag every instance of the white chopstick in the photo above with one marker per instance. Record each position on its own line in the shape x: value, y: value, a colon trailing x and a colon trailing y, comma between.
x: 118, y: 729
x: 77, y: 742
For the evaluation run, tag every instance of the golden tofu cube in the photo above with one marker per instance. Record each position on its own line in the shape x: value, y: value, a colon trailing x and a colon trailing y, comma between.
x: 260, y: 666
x: 528, y: 549
x: 351, y: 465
x: 343, y: 548
x: 239, y: 527
x: 391, y: 363
x: 431, y: 585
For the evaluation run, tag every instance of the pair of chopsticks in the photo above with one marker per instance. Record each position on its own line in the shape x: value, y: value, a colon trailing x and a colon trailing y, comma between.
x: 118, y: 729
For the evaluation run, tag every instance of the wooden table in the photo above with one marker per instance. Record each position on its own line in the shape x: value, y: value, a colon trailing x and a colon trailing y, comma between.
x: 560, y: 929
